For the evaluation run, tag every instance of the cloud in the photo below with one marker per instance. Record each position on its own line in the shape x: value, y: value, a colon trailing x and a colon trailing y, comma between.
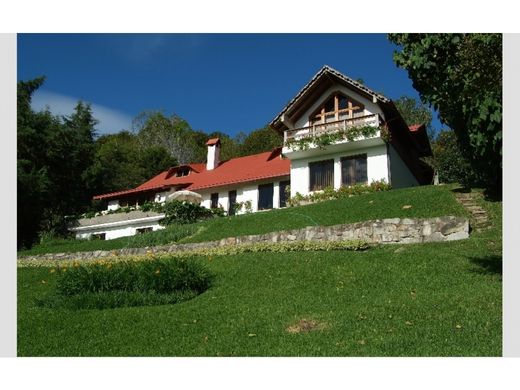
x: 110, y: 120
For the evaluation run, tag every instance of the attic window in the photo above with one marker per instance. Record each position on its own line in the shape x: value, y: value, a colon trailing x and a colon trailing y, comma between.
x: 337, y: 107
x: 183, y: 172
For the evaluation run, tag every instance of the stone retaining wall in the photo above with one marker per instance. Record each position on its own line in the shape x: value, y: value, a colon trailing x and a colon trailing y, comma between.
x: 380, y: 231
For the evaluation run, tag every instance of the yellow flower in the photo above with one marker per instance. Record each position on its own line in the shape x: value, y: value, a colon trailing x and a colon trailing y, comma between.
x: 76, y: 264
x: 157, y: 272
x: 52, y: 271
x: 43, y: 282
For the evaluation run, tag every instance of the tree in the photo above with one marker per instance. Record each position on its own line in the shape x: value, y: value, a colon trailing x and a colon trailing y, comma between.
x: 260, y: 140
x: 460, y: 75
x: 53, y: 154
x: 448, y: 161
x: 115, y: 163
x: 153, y: 128
x: 415, y: 112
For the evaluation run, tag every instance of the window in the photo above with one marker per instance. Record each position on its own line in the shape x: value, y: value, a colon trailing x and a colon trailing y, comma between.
x: 284, y: 186
x: 98, y: 236
x: 265, y: 196
x: 183, y: 172
x: 232, y: 202
x: 143, y: 230
x: 214, y: 200
x: 337, y: 107
x: 321, y: 175
x: 354, y: 170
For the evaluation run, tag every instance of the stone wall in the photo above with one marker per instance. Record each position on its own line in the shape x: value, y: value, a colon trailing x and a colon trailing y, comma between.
x: 380, y: 231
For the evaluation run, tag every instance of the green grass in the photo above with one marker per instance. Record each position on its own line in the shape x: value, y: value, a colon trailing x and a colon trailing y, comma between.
x: 427, y: 201
x: 437, y: 299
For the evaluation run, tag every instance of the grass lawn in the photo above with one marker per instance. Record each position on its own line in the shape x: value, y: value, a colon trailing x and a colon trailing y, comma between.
x: 427, y: 201
x: 437, y: 299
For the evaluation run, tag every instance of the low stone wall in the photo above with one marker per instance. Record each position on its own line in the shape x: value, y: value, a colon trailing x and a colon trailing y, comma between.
x: 381, y: 231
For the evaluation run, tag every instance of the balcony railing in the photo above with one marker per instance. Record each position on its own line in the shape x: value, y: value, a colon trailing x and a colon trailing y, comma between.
x: 329, y: 127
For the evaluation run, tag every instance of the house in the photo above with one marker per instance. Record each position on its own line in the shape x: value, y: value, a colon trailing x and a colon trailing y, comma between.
x: 337, y: 132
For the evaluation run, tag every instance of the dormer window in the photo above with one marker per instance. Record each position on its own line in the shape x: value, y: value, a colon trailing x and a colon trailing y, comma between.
x: 185, y: 171
x: 336, y: 108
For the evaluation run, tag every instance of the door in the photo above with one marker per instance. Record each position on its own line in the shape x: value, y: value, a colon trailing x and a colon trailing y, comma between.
x: 232, y: 202
x: 283, y: 193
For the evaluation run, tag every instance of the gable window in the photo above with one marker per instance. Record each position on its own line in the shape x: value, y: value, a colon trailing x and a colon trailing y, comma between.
x: 265, y: 196
x: 214, y: 200
x: 337, y: 107
x: 321, y: 175
x: 183, y: 172
x: 284, y: 186
x: 354, y: 170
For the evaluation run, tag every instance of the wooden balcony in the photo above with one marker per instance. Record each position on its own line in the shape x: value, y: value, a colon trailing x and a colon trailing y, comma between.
x: 318, y: 129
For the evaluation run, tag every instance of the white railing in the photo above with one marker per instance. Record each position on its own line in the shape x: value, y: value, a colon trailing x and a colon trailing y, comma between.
x: 328, y: 127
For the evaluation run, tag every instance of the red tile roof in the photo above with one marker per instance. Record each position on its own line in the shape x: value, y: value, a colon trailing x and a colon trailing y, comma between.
x: 234, y: 171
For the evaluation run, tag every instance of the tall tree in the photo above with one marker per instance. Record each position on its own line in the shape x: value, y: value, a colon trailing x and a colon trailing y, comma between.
x: 448, y: 161
x: 460, y: 75
x: 153, y: 128
x: 260, y: 140
x: 415, y: 112
x: 52, y: 156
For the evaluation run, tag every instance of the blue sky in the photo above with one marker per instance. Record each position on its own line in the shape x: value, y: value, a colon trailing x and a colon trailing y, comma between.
x: 217, y: 82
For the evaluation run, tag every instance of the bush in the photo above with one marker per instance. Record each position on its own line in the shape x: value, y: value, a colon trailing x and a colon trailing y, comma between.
x: 184, y: 212
x: 343, y: 192
x: 128, y: 283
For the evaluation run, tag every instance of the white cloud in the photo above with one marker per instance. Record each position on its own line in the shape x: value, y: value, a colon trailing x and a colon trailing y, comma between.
x: 110, y: 120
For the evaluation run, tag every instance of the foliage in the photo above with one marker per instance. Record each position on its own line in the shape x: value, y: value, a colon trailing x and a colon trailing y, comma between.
x: 181, y: 212
x: 460, y: 75
x: 448, y: 161
x: 153, y: 128
x: 246, y: 205
x: 330, y: 193
x: 415, y: 112
x: 52, y: 155
x: 328, y: 138
x: 165, y: 277
x: 160, y: 275
x: 258, y: 141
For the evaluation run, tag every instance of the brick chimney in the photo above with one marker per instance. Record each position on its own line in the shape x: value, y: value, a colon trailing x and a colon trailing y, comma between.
x: 213, y: 153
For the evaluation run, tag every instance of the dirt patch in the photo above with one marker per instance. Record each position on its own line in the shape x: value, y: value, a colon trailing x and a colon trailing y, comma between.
x: 306, y: 325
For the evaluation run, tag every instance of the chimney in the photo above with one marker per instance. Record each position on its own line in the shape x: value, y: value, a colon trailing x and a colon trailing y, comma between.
x: 213, y: 153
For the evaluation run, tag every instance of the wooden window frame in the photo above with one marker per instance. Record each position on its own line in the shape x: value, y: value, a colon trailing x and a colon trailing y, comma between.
x: 315, y: 163
x: 319, y: 115
x: 354, y: 180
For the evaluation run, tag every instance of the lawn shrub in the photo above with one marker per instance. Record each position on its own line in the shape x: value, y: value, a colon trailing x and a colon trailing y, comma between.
x: 184, y: 212
x: 128, y: 283
x: 330, y: 193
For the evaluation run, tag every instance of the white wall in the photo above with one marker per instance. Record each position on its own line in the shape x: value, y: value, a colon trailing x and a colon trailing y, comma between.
x: 113, y: 204
x: 118, y: 231
x: 377, y: 167
x: 400, y: 175
x: 370, y: 107
x: 248, y: 192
